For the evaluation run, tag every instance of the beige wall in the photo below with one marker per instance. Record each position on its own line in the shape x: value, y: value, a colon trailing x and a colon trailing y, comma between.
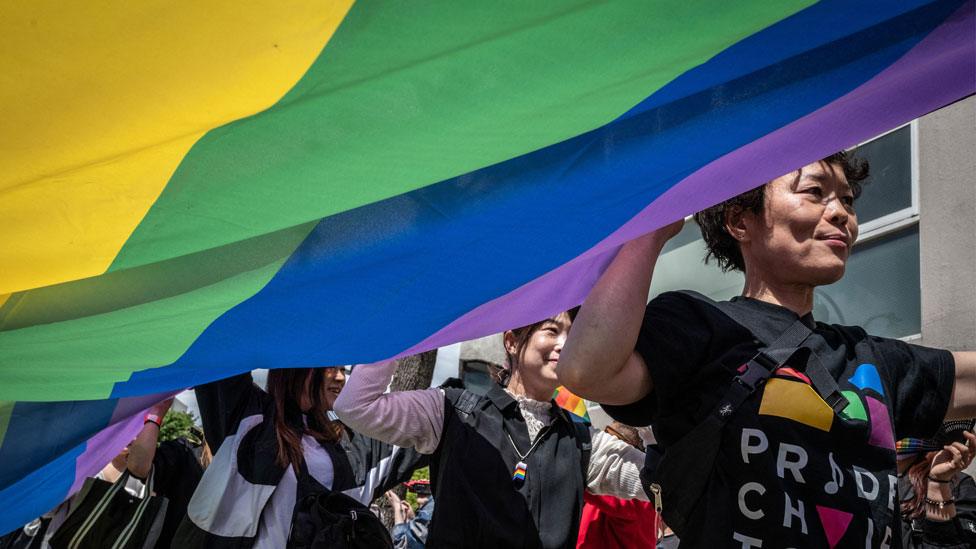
x: 947, y: 225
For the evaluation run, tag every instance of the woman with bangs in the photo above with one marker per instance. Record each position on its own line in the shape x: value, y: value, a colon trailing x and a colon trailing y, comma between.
x: 508, y: 468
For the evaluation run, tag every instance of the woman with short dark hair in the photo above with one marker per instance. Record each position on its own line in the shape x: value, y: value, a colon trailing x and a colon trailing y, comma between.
x: 508, y: 468
x: 783, y: 428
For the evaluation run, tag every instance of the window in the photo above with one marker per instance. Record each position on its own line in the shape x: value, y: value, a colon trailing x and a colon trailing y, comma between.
x: 476, y: 376
x: 881, y: 288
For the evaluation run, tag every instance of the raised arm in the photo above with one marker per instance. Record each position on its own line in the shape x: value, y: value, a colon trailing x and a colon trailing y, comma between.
x: 962, y: 405
x: 142, y: 450
x: 598, y: 361
x: 380, y: 465
x: 224, y: 403
x: 409, y: 419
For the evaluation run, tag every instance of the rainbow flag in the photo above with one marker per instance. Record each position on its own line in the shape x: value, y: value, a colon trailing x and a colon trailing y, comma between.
x: 195, y: 189
x: 572, y: 404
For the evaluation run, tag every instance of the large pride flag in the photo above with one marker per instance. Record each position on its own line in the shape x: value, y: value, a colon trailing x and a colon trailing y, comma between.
x: 194, y: 189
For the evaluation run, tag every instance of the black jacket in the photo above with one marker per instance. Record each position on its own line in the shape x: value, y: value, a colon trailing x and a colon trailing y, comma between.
x: 238, y: 422
x: 959, y: 533
x: 478, y: 505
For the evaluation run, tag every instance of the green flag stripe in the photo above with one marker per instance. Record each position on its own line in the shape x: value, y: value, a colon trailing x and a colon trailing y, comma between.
x: 409, y: 94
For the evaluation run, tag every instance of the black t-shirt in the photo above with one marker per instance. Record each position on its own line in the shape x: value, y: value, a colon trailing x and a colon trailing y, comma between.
x: 177, y: 474
x: 790, y: 472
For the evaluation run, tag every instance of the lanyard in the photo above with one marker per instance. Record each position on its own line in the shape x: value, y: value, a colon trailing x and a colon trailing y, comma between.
x: 518, y: 475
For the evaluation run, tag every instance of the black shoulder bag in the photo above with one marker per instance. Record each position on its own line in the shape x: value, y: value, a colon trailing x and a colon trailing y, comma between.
x: 326, y: 519
x: 676, y: 479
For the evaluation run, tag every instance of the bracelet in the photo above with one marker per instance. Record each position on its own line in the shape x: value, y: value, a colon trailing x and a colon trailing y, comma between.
x: 153, y: 418
x: 937, y: 480
x: 940, y: 504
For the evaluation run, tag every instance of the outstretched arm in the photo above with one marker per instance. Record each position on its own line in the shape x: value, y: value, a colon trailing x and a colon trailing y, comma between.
x: 224, y: 403
x: 409, y: 419
x: 599, y: 362
x: 962, y: 405
x: 142, y: 450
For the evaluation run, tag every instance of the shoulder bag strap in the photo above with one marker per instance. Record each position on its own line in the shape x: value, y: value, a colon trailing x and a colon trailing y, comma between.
x: 775, y: 354
x: 96, y: 513
x: 584, y: 443
x: 140, y: 511
x: 685, y: 467
x: 466, y: 403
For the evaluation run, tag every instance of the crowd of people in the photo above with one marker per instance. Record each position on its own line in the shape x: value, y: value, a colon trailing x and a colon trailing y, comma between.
x: 770, y: 429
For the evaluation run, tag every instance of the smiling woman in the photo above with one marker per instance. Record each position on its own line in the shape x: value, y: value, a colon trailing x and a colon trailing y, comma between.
x: 313, y: 391
x: 512, y: 451
x: 532, y: 353
x: 273, y: 450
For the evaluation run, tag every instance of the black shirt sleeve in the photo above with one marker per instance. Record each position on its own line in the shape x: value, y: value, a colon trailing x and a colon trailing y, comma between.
x: 958, y: 533
x: 921, y: 379
x: 673, y: 339
x: 175, y: 464
x: 224, y: 403
x: 177, y: 474
x: 380, y: 466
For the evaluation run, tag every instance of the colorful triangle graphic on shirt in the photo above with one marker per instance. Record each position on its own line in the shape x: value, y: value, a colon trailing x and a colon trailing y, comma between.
x: 866, y: 377
x: 855, y: 408
x: 881, y: 433
x: 786, y: 371
x: 834, y: 523
x: 796, y: 401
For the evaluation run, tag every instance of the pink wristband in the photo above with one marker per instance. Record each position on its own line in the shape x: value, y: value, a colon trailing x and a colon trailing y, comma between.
x: 153, y: 418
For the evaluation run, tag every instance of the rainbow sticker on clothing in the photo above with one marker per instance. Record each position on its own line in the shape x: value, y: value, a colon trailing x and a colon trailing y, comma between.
x: 796, y: 401
x: 519, y: 475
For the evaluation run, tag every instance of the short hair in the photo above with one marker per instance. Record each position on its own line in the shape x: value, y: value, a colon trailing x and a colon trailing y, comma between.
x: 725, y: 249
x: 522, y: 335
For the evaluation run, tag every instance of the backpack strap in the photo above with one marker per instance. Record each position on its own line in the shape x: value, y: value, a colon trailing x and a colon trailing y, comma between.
x: 465, y: 403
x: 459, y: 406
x: 584, y: 443
x: 682, y: 470
x: 775, y: 354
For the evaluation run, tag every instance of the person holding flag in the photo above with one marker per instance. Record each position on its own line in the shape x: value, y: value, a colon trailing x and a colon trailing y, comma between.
x: 508, y: 468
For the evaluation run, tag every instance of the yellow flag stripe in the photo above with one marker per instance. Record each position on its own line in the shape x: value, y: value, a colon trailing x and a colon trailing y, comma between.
x: 71, y: 71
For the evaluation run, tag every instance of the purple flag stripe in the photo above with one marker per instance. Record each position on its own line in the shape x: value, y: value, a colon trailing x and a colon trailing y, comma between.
x: 937, y: 71
x: 127, y: 421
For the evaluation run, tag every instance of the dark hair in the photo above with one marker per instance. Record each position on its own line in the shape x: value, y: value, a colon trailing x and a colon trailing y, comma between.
x: 625, y: 433
x: 287, y: 386
x: 725, y: 249
x: 522, y: 336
